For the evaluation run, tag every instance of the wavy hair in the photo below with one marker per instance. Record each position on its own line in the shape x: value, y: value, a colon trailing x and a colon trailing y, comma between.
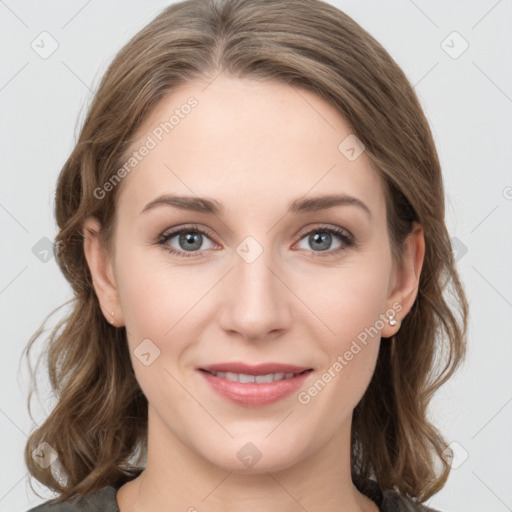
x: 98, y: 426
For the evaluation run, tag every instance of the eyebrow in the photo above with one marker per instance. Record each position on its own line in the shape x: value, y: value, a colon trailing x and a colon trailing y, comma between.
x: 211, y: 206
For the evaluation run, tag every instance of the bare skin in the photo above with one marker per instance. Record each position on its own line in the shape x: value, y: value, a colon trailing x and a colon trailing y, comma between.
x: 254, y: 147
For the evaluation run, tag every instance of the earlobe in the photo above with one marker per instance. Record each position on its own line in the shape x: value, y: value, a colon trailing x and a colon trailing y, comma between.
x: 406, y: 281
x: 102, y: 273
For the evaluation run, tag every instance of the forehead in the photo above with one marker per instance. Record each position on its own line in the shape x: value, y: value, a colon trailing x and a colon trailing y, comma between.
x: 245, y: 141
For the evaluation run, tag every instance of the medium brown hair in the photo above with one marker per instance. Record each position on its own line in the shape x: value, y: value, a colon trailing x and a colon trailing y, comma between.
x: 99, y: 424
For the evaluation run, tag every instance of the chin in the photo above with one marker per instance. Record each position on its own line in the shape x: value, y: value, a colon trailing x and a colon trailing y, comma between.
x: 253, y: 458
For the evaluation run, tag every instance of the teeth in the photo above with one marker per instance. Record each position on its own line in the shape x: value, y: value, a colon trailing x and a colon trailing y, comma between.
x: 244, y: 378
x: 265, y: 378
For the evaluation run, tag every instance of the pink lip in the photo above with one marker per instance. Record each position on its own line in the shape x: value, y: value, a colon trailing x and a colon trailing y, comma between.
x: 255, y: 394
x: 257, y: 369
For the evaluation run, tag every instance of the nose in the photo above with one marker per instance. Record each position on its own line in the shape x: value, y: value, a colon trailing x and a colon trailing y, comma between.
x: 258, y: 304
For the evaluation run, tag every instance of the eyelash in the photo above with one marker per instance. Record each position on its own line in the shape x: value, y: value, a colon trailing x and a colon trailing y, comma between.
x: 345, y: 238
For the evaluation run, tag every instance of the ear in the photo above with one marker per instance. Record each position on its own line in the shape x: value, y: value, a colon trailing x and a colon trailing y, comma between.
x: 102, y: 272
x: 405, y: 279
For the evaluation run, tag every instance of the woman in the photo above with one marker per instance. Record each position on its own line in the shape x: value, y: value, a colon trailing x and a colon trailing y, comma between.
x: 252, y: 222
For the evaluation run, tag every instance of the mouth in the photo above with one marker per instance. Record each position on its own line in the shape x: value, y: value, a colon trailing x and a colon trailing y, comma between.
x: 246, y: 378
x: 254, y: 386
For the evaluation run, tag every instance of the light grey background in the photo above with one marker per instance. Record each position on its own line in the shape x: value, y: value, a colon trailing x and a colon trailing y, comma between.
x: 468, y: 101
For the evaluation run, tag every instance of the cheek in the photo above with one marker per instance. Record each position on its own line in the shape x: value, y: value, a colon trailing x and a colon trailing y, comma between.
x: 154, y: 295
x: 353, y: 309
x: 155, y: 299
x: 348, y: 298
x: 164, y: 304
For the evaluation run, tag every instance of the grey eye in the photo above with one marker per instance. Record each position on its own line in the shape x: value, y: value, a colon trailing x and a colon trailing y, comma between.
x: 320, y: 240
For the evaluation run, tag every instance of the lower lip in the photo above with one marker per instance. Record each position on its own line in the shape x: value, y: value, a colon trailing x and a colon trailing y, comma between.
x: 255, y: 394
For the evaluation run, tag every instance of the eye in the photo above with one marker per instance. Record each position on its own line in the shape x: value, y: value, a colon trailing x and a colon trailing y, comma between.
x: 321, y: 238
x: 188, y: 239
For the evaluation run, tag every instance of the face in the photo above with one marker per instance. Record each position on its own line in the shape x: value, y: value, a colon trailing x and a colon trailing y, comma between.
x: 270, y: 277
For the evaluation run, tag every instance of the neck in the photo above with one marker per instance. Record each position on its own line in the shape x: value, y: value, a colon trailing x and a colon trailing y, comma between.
x: 177, y: 477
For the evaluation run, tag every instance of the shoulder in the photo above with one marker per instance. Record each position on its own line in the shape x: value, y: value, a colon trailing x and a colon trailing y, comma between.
x: 389, y: 500
x: 104, y: 500
x: 394, y: 502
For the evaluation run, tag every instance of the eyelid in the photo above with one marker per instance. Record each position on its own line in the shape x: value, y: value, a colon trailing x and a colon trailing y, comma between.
x: 327, y: 227
x: 187, y: 227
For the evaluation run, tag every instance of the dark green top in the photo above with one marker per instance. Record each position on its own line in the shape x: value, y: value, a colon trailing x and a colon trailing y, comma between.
x: 104, y: 500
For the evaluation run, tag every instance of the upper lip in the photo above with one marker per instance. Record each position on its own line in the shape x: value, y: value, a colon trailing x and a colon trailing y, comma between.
x: 256, y: 369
